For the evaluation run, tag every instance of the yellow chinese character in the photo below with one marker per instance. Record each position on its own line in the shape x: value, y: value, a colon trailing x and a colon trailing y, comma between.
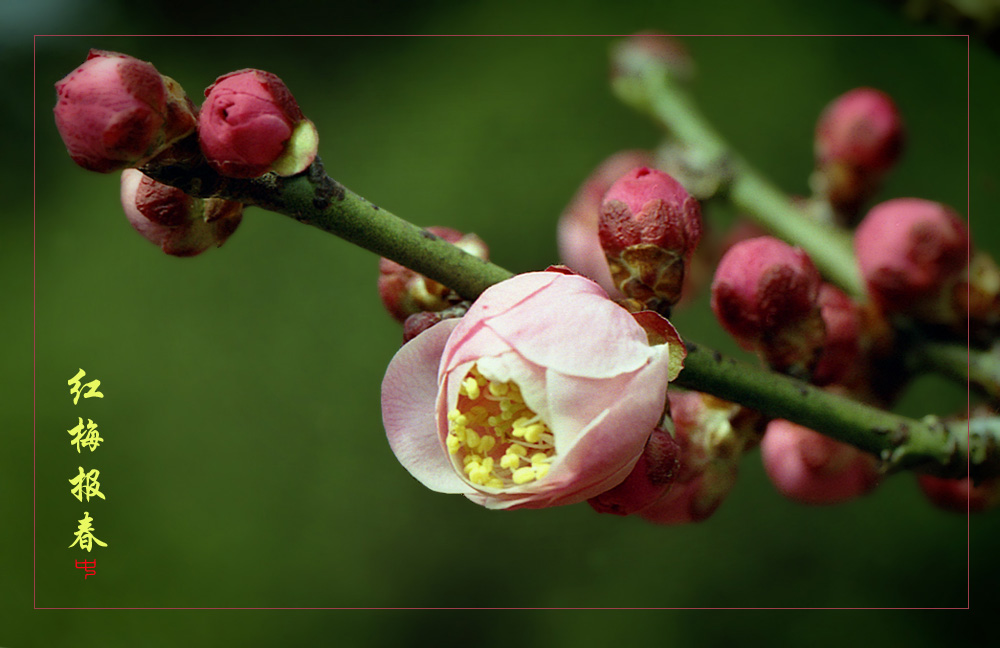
x: 75, y: 385
x: 86, y: 485
x: 84, y: 535
x: 89, y: 438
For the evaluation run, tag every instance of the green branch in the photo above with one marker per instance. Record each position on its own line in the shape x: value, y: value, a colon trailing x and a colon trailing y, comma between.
x: 315, y: 199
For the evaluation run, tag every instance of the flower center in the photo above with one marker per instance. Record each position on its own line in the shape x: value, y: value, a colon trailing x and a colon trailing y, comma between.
x: 494, y: 437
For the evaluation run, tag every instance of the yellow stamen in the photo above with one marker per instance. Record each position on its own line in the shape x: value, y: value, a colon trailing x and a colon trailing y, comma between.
x: 491, y: 431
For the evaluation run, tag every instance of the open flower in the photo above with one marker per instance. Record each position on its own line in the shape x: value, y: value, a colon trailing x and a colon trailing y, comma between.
x: 544, y: 394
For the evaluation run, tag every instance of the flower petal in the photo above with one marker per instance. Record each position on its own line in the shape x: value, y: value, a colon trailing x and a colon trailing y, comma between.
x: 409, y: 395
x: 608, y: 341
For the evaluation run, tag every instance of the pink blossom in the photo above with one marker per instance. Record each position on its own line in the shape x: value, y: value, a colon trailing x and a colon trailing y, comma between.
x: 811, y: 468
x: 115, y: 111
x: 249, y: 123
x: 180, y: 224
x: 544, y: 394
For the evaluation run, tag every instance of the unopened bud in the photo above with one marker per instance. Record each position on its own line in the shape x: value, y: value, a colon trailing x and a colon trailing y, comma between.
x: 859, y: 137
x: 765, y: 294
x: 251, y: 124
x: 579, y: 245
x: 960, y: 495
x: 180, y: 224
x: 813, y: 469
x: 115, y: 112
x: 405, y: 292
x: 649, y: 227
x: 842, y: 322
x: 911, y: 253
x: 651, y: 477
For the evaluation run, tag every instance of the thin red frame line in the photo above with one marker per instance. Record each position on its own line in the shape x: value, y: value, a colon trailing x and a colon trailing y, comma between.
x: 34, y: 118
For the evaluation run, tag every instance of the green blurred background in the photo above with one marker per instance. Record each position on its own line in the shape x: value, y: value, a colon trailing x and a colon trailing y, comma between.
x: 244, y: 461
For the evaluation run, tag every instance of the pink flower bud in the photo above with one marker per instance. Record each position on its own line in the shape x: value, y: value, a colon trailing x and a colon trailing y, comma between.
x: 960, y: 495
x: 861, y: 128
x: 649, y: 227
x: 579, y: 245
x: 858, y: 138
x: 250, y: 124
x: 544, y: 394
x: 652, y: 475
x: 842, y: 322
x: 180, y: 224
x: 911, y: 253
x: 115, y: 111
x: 765, y: 294
x: 405, y: 292
x: 811, y: 468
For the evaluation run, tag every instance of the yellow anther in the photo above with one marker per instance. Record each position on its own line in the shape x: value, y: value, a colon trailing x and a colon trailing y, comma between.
x: 495, y: 482
x: 499, y: 389
x: 533, y: 433
x: 471, y: 388
x: 453, y: 444
x: 510, y: 461
x: 541, y: 470
x: 471, y: 466
x: 518, y: 450
x: 521, y: 422
x: 488, y: 464
x: 471, y: 439
x: 506, y: 415
x: 486, y: 444
x: 523, y: 475
x: 454, y: 414
x: 539, y: 457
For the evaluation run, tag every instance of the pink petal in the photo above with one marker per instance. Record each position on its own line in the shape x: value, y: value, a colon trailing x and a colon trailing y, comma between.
x: 409, y: 395
x: 608, y: 340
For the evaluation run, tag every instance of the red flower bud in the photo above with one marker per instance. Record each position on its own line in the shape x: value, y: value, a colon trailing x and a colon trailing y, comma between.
x: 841, y: 348
x: 579, y: 245
x: 115, y: 111
x: 861, y: 128
x: 405, y: 292
x: 911, y: 252
x: 250, y: 124
x: 649, y: 227
x: 765, y: 294
x: 652, y: 475
x: 858, y: 138
x: 180, y: 224
x: 960, y: 495
x: 808, y: 467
